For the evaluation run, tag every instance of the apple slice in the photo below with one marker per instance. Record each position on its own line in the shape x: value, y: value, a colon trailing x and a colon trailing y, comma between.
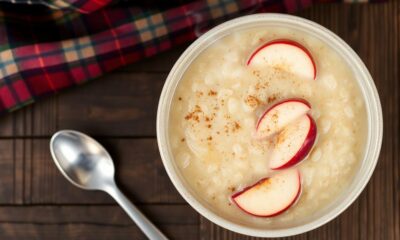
x: 270, y: 196
x: 293, y: 143
x: 287, y: 55
x: 275, y: 118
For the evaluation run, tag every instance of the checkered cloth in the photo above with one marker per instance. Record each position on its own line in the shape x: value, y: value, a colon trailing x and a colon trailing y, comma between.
x: 45, y: 50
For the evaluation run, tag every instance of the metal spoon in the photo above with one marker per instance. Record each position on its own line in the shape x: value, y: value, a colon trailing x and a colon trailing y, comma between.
x: 86, y: 164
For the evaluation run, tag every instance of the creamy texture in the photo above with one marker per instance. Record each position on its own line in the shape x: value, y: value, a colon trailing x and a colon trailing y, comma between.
x: 217, y: 104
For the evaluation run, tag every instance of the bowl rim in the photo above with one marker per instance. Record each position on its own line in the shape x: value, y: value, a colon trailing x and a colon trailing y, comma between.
x: 371, y: 99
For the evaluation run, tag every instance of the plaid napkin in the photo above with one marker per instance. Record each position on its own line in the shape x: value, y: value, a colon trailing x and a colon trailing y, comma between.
x: 49, y: 45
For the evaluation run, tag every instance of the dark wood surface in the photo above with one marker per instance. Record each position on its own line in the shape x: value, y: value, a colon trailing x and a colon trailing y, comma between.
x: 36, y: 202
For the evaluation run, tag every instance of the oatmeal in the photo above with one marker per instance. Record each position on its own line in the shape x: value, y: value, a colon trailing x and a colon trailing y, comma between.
x: 219, y: 102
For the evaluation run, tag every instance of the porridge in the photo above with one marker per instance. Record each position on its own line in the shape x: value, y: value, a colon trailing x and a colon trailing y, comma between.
x: 264, y: 121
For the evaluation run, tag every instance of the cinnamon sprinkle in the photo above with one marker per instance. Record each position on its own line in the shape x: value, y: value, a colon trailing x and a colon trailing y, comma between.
x: 194, y: 115
x: 256, y: 73
x: 271, y: 99
x: 236, y: 126
x: 252, y: 101
x: 199, y: 93
x: 212, y: 93
x: 262, y: 85
x: 231, y: 127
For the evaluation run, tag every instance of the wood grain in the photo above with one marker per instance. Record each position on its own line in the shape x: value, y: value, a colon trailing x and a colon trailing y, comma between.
x: 7, y: 181
x: 125, y: 104
x: 93, y: 222
x: 119, y: 109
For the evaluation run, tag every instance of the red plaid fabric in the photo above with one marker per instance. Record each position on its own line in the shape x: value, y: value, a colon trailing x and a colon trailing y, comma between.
x: 82, y: 6
x: 44, y: 51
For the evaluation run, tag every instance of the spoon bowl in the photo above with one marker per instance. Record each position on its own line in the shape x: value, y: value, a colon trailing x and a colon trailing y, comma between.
x: 82, y: 160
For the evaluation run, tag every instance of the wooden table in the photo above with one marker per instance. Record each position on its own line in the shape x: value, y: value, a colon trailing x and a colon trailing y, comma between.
x: 36, y: 202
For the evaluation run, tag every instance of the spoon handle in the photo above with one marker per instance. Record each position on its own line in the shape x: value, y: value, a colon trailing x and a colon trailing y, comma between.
x: 141, y: 221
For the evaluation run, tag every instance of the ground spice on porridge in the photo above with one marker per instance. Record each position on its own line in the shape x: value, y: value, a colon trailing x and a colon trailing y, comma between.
x: 216, y: 108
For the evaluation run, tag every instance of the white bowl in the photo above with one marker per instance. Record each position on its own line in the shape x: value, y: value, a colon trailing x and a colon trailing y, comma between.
x: 369, y: 92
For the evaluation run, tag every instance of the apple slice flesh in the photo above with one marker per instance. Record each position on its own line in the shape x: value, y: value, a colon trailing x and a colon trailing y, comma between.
x: 286, y: 55
x: 293, y: 143
x: 270, y: 196
x: 275, y: 118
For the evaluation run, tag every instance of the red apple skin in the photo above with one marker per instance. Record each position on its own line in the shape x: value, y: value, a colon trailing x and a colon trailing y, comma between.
x: 288, y: 42
x: 305, y: 148
x: 279, y: 103
x: 271, y: 215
